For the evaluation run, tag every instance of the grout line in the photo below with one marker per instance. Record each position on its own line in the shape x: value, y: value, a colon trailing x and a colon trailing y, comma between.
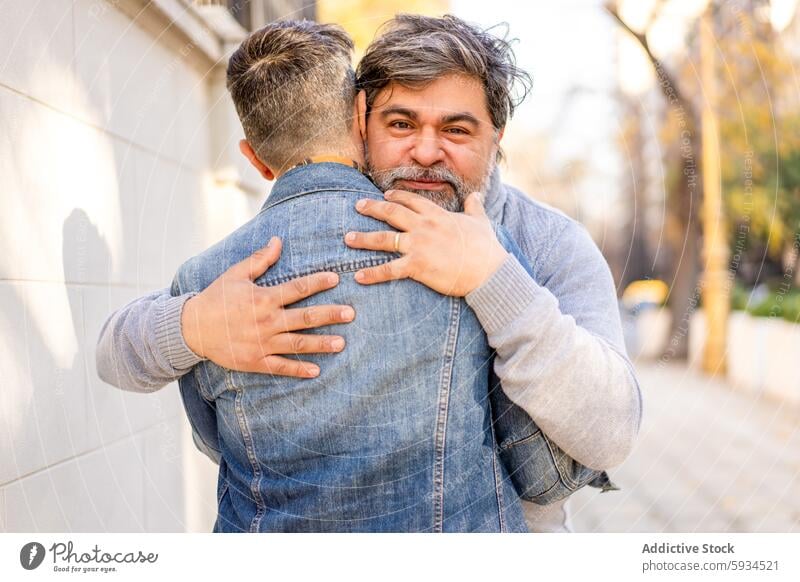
x: 88, y: 452
x: 139, y: 287
x: 126, y: 141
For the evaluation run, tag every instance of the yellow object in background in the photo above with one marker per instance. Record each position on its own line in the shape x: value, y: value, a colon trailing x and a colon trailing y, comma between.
x: 648, y: 292
x: 362, y: 18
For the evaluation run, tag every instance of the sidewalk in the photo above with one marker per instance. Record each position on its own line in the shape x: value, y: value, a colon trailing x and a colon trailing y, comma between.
x: 708, y: 459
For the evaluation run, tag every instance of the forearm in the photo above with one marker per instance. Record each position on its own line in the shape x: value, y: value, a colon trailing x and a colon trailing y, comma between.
x: 141, y: 348
x: 579, y: 390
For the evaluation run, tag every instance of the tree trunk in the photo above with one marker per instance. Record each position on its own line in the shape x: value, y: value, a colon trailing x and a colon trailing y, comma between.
x: 687, y: 196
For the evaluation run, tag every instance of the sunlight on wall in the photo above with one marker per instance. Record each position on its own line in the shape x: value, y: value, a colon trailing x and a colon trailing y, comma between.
x: 62, y: 180
x: 225, y: 204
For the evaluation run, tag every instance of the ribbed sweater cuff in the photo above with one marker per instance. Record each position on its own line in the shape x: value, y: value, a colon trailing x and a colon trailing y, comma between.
x: 169, y: 338
x: 504, y: 296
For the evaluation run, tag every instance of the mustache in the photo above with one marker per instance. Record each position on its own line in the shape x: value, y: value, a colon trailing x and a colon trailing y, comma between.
x: 419, y: 173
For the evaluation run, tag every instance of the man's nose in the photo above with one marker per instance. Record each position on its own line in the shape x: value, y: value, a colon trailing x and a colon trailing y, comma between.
x: 427, y: 149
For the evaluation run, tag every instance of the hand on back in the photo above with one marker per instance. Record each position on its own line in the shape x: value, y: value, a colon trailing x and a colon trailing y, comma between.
x: 242, y: 326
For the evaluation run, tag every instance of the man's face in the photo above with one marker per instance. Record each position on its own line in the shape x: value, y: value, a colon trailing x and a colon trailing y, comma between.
x: 437, y: 141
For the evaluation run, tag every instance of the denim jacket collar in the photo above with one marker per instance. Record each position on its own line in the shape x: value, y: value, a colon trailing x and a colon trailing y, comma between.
x: 315, y: 178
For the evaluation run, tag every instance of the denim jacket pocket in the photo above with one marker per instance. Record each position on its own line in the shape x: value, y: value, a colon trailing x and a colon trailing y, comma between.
x: 531, y: 467
x: 573, y: 474
x: 543, y: 473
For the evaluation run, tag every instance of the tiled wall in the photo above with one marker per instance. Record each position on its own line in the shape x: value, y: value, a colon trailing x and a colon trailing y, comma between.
x: 105, y: 188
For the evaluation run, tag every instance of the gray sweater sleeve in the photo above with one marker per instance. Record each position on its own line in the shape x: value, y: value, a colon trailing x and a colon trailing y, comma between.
x: 141, y: 347
x: 560, y: 354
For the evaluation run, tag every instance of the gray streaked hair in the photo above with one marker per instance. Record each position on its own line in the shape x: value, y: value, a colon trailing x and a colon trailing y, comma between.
x: 414, y: 50
x: 292, y: 83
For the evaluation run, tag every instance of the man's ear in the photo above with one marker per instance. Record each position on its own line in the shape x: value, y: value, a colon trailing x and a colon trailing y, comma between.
x: 248, y: 152
x: 500, y: 133
x: 361, y: 113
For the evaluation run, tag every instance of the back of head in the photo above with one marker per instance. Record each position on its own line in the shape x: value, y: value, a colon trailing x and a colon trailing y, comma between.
x: 293, y: 88
x: 413, y: 50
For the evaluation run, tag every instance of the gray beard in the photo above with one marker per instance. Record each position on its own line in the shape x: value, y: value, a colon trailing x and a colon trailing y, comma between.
x: 389, y: 179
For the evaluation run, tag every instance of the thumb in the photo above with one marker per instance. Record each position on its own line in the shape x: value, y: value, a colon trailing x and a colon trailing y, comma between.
x: 473, y: 205
x: 257, y: 264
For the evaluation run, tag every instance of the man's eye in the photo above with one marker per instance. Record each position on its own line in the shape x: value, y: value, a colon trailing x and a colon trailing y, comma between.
x: 401, y: 125
x: 456, y: 131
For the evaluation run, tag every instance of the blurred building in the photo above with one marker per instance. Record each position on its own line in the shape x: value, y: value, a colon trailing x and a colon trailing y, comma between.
x: 118, y: 160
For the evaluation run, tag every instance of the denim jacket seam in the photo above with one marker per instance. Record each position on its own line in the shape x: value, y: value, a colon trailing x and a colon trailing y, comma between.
x: 344, y: 267
x: 543, y: 495
x: 255, y: 482
x: 563, y: 474
x: 314, y: 191
x: 495, y: 464
x: 206, y: 394
x: 440, y: 439
x: 510, y: 444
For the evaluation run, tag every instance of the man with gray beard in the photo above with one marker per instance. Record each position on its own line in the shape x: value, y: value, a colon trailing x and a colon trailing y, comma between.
x: 389, y: 178
x: 434, y: 99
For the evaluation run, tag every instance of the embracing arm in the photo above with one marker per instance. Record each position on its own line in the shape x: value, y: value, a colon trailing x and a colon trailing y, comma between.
x: 141, y: 347
x: 560, y: 354
x: 233, y: 322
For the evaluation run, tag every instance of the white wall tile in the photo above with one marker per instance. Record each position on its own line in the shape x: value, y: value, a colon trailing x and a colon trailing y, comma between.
x: 191, y: 117
x: 125, y: 75
x: 36, y: 45
x: 106, y: 189
x: 113, y: 413
x: 63, y: 187
x: 43, y: 400
x: 101, y: 491
x: 164, y: 479
x: 173, y: 217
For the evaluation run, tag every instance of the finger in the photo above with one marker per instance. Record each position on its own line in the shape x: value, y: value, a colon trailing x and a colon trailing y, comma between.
x: 302, y: 287
x: 412, y: 201
x: 473, y: 205
x: 376, y: 241
x: 305, y: 343
x: 393, y: 270
x: 256, y: 264
x: 316, y: 316
x: 281, y: 366
x: 396, y: 215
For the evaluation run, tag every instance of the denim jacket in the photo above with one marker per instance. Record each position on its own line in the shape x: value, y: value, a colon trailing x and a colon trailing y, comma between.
x: 397, y: 433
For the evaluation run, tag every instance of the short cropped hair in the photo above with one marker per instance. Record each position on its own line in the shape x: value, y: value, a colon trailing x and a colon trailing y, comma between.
x: 413, y: 50
x: 292, y: 83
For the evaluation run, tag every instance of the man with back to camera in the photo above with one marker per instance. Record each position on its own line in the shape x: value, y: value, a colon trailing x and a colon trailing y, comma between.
x: 519, y: 315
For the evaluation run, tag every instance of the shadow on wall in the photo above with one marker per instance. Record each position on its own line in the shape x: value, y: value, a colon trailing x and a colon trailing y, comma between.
x: 123, y: 135
x: 44, y: 403
x: 82, y: 246
x: 78, y: 455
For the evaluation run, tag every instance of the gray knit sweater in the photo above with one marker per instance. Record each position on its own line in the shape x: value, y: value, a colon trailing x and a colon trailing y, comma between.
x: 558, y: 337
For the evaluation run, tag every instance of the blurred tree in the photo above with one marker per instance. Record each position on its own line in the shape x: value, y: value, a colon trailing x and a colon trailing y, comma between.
x: 637, y: 260
x: 684, y: 189
x: 760, y: 129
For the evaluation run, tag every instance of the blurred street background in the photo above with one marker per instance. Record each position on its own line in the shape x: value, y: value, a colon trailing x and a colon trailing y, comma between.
x: 670, y: 128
